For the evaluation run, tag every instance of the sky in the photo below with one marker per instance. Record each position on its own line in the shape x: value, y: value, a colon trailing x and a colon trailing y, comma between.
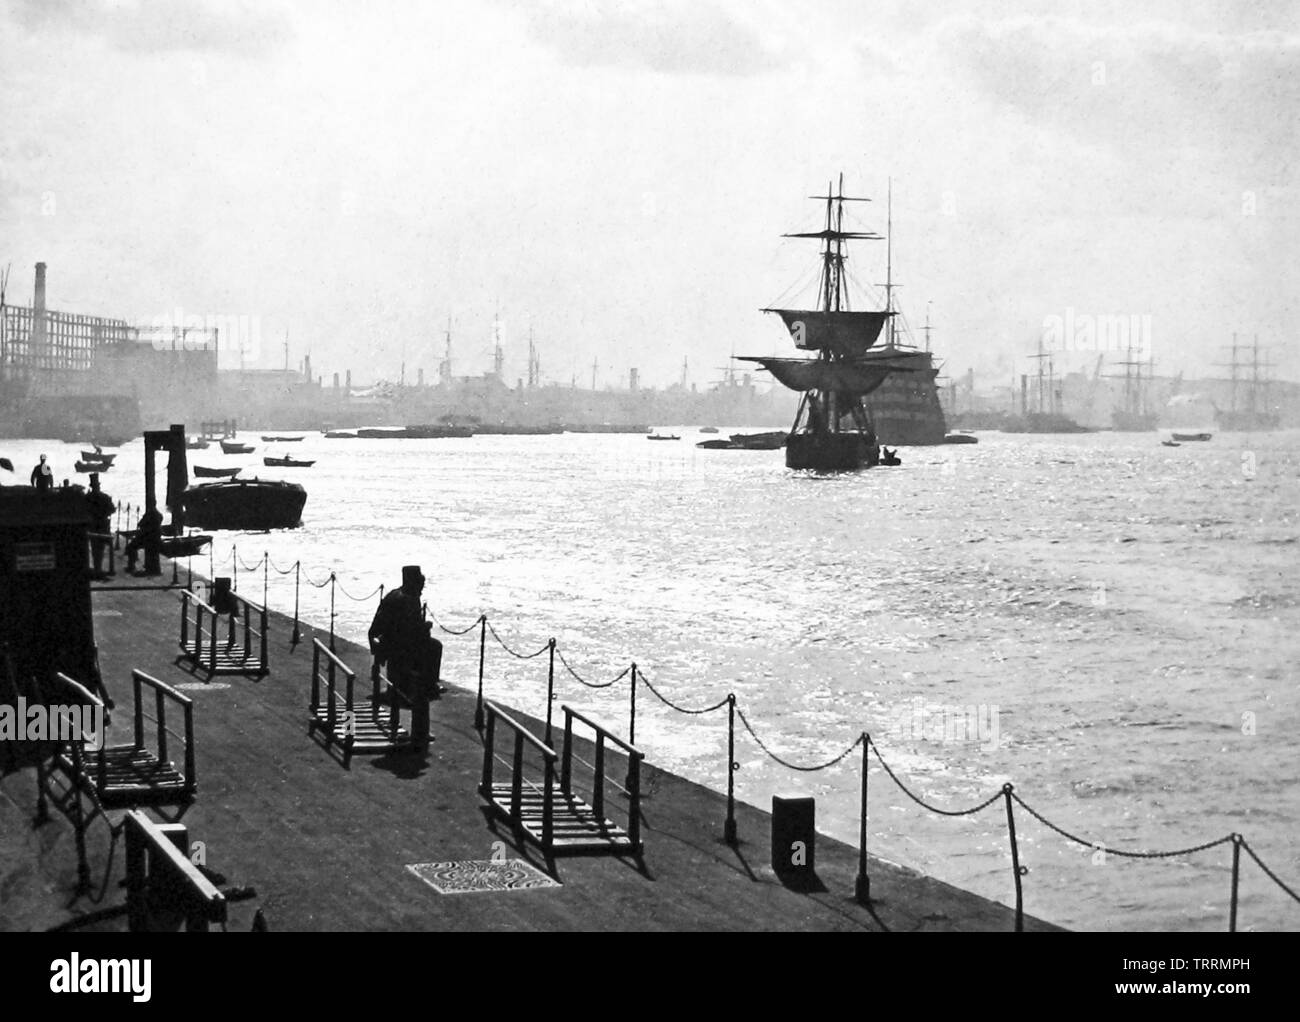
x: 615, y: 178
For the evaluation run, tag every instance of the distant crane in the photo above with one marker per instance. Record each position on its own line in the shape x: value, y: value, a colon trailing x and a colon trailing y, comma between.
x: 1096, y: 381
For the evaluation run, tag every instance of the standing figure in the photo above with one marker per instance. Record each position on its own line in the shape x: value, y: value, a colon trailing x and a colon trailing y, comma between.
x: 101, y: 507
x: 43, y: 476
x: 399, y: 637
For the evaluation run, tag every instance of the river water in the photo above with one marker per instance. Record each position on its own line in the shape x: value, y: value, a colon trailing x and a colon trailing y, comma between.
x: 1121, y: 620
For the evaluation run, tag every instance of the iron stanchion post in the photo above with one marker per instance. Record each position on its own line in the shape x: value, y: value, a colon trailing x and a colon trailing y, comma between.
x: 482, y: 650
x: 550, y: 689
x: 729, y: 828
x: 862, y: 887
x: 631, y: 729
x: 176, y: 578
x: 189, y: 572
x: 1236, y: 877
x: 1016, y: 868
x: 297, y: 573
x: 234, y: 559
x: 266, y: 577
x: 212, y: 561
x: 332, y: 582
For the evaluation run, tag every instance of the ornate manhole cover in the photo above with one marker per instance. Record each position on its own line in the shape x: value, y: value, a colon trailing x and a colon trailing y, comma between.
x: 476, y: 876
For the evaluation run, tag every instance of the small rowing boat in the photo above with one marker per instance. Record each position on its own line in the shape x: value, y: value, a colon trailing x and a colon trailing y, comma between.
x: 203, y: 472
x: 287, y: 462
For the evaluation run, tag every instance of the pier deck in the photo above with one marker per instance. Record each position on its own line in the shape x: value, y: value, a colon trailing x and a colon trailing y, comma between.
x: 327, y: 848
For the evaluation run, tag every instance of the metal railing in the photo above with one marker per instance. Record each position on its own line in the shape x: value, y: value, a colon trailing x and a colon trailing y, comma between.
x: 523, y: 739
x: 599, y: 773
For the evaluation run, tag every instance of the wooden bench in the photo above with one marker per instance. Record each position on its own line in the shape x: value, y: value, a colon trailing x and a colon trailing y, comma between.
x: 547, y: 809
x: 355, y: 725
x: 241, y: 651
x: 163, y: 887
x: 82, y: 765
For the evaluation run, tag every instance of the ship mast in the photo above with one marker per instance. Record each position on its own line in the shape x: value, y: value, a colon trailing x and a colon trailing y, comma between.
x: 889, y: 260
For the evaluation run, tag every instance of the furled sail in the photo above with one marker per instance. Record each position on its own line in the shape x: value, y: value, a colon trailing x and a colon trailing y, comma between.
x: 858, y: 378
x: 848, y: 334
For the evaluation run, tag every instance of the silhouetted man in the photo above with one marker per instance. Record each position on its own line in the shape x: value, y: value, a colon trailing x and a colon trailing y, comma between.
x: 148, y: 535
x: 399, y: 637
x: 100, y: 505
x: 43, y: 476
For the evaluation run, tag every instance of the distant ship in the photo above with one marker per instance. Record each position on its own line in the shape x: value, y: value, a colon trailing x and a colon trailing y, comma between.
x: 1135, y: 416
x: 833, y: 428
x: 1045, y: 416
x: 1249, y: 412
x: 905, y: 407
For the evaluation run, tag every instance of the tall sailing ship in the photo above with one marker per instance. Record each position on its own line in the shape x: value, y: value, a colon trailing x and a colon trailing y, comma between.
x: 834, y: 429
x: 1251, y: 411
x: 1046, y: 414
x: 1135, y: 416
x: 905, y: 408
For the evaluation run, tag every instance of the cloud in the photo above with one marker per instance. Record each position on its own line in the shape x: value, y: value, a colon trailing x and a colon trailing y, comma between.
x: 669, y: 36
x: 161, y: 26
x: 1145, y: 86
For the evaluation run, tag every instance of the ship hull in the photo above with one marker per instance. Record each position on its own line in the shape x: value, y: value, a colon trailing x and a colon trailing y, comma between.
x: 1134, y: 422
x: 830, y: 452
x: 905, y: 408
x: 1043, y: 422
x: 1247, y: 422
x: 244, y: 504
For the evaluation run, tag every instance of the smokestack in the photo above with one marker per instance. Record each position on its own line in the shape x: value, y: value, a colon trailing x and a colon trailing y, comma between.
x: 349, y: 379
x: 38, y: 302
x: 38, y: 314
x: 336, y: 381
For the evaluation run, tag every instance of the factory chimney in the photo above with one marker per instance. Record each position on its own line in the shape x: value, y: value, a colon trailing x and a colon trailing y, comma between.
x: 38, y: 343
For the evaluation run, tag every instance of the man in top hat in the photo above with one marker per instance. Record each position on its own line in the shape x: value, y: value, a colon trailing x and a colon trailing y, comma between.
x: 399, y: 637
x: 101, y: 507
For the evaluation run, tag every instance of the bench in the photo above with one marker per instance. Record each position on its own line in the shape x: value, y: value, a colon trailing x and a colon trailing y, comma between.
x: 82, y: 764
x: 355, y: 725
x: 241, y: 651
x: 163, y: 887
x: 547, y: 809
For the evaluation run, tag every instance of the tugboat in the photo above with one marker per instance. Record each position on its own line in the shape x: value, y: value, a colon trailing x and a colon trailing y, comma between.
x: 833, y: 429
x: 244, y: 504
